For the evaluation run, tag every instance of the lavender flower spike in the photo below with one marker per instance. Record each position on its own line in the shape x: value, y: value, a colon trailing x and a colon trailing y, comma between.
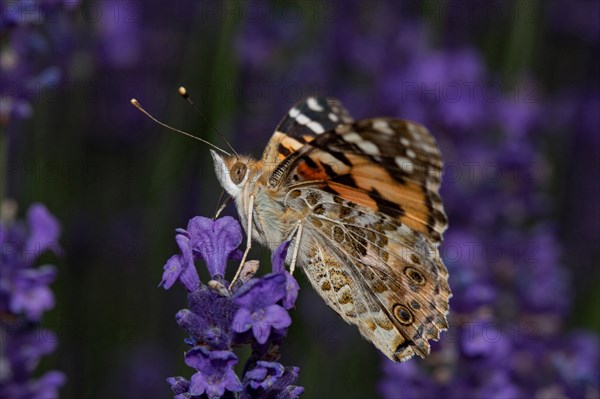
x: 252, y: 313
x: 24, y: 297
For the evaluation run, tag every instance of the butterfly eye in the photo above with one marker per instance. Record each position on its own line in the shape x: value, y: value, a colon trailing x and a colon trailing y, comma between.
x: 238, y: 172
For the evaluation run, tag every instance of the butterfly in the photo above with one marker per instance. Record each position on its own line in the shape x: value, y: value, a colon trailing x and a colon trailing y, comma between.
x: 359, y: 203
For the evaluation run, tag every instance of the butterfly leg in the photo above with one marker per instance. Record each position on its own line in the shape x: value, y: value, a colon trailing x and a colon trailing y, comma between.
x: 222, y: 207
x: 296, y: 249
x: 248, y: 241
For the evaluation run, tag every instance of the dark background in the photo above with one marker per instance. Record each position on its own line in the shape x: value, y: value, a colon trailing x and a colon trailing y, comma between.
x: 120, y: 184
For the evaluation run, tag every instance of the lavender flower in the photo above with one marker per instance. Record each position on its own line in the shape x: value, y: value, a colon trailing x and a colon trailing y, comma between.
x: 265, y: 374
x: 218, y: 319
x: 24, y: 297
x: 215, y: 372
x: 271, y: 378
x: 259, y: 310
x: 25, y: 46
x: 31, y: 294
x: 215, y: 242
x: 212, y: 241
x: 291, y: 285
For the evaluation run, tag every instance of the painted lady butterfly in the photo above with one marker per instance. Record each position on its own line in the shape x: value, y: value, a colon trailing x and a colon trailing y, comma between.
x: 359, y: 201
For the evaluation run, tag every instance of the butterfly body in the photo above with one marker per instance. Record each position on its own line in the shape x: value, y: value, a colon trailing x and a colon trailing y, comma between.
x: 359, y: 202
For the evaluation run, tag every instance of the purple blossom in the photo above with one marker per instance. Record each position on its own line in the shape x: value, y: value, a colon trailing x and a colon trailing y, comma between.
x: 25, y: 350
x: 44, y: 231
x: 44, y: 387
x: 215, y: 373
x: 291, y: 285
x: 578, y: 361
x: 259, y: 310
x: 180, y: 386
x: 32, y: 295
x: 181, y: 267
x: 26, y: 47
x: 405, y: 381
x: 271, y: 379
x: 440, y: 86
x: 265, y: 374
x: 23, y: 288
x: 213, y: 241
x: 119, y: 38
x: 24, y: 297
x: 209, y: 318
x: 218, y: 319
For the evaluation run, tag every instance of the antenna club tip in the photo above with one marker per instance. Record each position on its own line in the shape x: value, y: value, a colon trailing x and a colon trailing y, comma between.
x: 182, y: 91
x: 135, y: 102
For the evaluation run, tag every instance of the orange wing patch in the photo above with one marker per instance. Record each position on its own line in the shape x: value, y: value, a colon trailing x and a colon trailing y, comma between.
x: 311, y: 173
x: 354, y: 195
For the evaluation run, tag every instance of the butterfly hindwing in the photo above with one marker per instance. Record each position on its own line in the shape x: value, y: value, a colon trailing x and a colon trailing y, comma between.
x: 377, y: 274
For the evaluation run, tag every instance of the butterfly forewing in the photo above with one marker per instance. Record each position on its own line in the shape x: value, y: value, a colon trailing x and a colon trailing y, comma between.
x: 367, y: 163
x: 313, y: 116
x: 304, y: 121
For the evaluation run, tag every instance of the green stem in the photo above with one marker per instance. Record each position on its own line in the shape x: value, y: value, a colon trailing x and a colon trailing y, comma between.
x: 522, y: 38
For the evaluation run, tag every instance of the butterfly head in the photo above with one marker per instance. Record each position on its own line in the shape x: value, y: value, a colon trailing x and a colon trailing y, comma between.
x: 233, y: 171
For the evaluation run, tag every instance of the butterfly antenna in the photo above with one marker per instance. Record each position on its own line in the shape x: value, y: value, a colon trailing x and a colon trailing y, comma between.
x: 183, y: 93
x: 136, y: 104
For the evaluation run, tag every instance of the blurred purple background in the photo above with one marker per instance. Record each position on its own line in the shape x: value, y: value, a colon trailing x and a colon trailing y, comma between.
x: 511, y: 91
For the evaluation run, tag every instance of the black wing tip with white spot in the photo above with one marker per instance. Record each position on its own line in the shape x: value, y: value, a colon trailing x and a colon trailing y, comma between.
x: 314, y: 115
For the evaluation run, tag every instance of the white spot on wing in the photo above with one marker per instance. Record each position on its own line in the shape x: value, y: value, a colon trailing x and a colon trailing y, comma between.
x: 333, y: 117
x: 429, y: 149
x: 431, y: 185
x: 405, y: 164
x: 368, y: 147
x: 306, y: 121
x: 382, y: 126
x: 411, y: 153
x: 414, y: 132
x: 352, y: 137
x: 294, y: 112
x: 302, y: 119
x: 316, y: 127
x: 313, y: 104
x: 404, y: 141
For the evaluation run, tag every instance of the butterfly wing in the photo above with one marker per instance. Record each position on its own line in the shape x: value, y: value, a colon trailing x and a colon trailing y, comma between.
x: 304, y: 121
x: 313, y: 116
x: 386, y: 165
x: 374, y: 219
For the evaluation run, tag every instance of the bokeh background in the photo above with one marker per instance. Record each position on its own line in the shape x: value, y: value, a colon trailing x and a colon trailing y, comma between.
x: 510, y: 89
